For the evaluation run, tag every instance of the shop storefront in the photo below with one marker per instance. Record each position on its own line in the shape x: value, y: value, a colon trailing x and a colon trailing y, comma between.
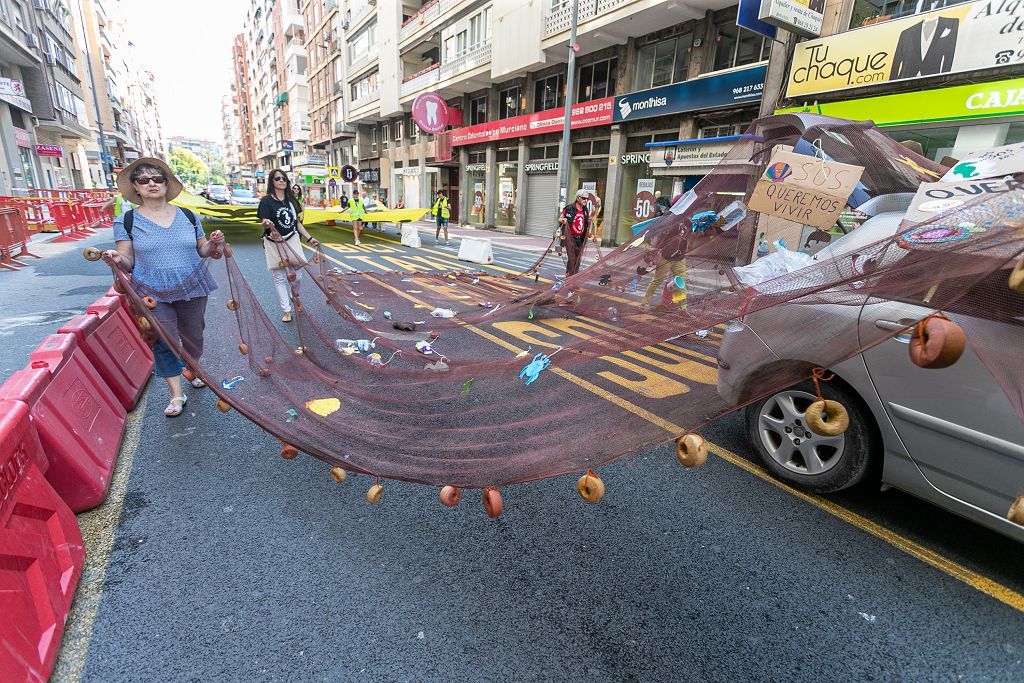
x: 475, y: 195
x: 949, y: 122
x: 982, y: 37
x: 542, y: 191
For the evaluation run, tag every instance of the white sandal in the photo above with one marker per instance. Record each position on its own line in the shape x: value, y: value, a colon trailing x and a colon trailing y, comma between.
x: 198, y: 383
x: 176, y: 406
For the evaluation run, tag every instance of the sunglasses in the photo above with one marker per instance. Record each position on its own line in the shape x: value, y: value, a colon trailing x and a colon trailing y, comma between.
x: 281, y: 178
x: 158, y: 179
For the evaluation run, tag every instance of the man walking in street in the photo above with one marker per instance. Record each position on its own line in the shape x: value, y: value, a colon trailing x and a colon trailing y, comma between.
x: 441, y: 214
x: 574, y: 226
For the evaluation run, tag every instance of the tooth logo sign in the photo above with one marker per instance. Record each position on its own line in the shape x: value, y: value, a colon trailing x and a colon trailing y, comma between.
x: 430, y: 112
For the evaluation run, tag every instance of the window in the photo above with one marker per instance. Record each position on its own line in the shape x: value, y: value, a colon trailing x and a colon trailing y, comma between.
x: 507, y: 154
x: 399, y: 127
x: 597, y: 80
x: 477, y: 157
x: 737, y: 46
x: 64, y: 100
x: 722, y: 131
x: 360, y: 45
x: 509, y: 102
x: 384, y: 137
x: 588, y: 148
x: 867, y: 12
x: 549, y: 93
x: 478, y: 110
x: 664, y: 62
x: 546, y: 152
x: 414, y: 131
x: 365, y: 87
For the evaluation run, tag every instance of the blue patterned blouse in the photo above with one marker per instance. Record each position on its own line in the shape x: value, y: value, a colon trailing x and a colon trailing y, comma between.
x: 166, y: 261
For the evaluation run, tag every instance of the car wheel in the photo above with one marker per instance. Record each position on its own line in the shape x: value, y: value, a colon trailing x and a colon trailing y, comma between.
x: 778, y: 431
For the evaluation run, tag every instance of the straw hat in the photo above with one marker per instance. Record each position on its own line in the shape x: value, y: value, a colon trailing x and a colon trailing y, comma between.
x: 127, y: 187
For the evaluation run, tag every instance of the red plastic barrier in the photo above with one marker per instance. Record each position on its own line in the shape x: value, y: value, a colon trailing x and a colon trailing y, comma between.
x: 41, y: 553
x: 79, y: 419
x: 14, y: 238
x: 65, y: 220
x: 112, y: 344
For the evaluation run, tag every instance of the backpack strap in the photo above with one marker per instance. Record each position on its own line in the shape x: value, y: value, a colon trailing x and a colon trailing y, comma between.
x: 129, y: 220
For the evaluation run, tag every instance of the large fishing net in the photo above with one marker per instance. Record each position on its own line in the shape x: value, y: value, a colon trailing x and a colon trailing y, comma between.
x: 475, y: 380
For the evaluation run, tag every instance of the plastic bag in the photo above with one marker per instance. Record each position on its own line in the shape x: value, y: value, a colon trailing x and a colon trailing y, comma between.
x: 778, y: 263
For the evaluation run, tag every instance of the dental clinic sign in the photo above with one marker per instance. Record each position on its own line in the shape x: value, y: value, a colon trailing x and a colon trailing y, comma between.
x: 724, y: 90
x: 968, y: 37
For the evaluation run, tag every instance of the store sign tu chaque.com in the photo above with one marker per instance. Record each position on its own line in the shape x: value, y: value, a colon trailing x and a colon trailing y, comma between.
x: 970, y: 37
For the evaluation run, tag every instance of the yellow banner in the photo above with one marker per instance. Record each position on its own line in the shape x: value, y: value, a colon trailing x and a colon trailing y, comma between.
x: 967, y: 37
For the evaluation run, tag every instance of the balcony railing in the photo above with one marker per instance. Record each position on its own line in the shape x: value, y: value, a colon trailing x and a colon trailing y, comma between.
x: 560, y: 19
x: 365, y: 101
x: 471, y: 59
x: 424, y: 16
x: 421, y: 79
x: 363, y: 59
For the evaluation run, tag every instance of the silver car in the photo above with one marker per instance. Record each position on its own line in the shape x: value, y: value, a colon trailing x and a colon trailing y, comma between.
x: 244, y: 198
x: 950, y: 436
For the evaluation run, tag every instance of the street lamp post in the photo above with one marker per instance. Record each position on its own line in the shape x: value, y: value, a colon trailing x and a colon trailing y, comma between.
x: 328, y: 44
x: 570, y: 85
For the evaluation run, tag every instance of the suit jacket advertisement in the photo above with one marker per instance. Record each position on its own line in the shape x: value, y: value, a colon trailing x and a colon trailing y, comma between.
x: 967, y: 37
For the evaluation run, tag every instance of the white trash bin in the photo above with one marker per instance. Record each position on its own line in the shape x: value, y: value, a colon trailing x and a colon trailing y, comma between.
x: 476, y: 249
x: 410, y: 236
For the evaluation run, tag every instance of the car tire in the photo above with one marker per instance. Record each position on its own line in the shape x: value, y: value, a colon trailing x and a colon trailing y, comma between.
x: 777, y: 430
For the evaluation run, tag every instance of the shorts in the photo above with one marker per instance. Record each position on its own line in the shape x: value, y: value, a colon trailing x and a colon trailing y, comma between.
x: 442, y: 222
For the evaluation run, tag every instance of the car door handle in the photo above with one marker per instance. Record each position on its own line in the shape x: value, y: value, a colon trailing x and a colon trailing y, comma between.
x: 894, y: 326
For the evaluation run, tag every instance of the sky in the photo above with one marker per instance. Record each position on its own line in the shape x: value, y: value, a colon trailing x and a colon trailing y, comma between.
x: 187, y: 46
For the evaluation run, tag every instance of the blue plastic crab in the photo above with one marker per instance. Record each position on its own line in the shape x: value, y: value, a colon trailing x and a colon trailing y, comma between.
x: 538, y: 365
x: 704, y: 220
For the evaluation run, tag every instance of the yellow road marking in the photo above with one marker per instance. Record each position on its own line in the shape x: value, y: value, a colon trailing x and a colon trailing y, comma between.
x: 993, y: 589
x: 99, y: 527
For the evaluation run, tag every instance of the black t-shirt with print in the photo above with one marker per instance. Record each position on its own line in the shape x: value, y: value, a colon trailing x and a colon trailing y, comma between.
x: 281, y: 212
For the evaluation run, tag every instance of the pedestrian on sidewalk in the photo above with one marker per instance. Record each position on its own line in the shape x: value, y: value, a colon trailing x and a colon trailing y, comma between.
x: 357, y: 213
x: 281, y: 216
x: 574, y: 226
x: 442, y: 213
x: 343, y: 202
x: 162, y: 247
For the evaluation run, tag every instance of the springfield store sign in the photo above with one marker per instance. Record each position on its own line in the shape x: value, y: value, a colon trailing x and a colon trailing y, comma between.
x: 968, y: 37
x: 728, y: 89
x: 584, y: 115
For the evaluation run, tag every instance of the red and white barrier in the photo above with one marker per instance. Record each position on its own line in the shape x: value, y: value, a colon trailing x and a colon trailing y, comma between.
x: 78, y: 417
x: 41, y: 553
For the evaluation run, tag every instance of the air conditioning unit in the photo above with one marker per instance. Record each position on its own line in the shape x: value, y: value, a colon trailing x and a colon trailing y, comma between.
x: 32, y: 40
x: 51, y: 58
x: 344, y: 25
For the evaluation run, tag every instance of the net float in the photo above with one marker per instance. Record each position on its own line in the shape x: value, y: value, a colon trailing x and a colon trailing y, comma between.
x: 269, y: 360
x: 144, y: 323
x: 292, y: 277
x: 1017, y: 277
x: 281, y: 264
x: 92, y: 254
x: 232, y: 305
x: 316, y: 259
x: 691, y: 450
x: 434, y: 335
x: 149, y: 302
x: 263, y: 372
x: 492, y: 502
x: 288, y: 451
x: 215, y: 254
x: 339, y: 474
x: 149, y: 336
x: 450, y: 496
x: 374, y: 493
x: 936, y: 343
x: 1016, y: 511
x: 590, y: 487
x: 223, y: 406
x: 827, y: 418
x: 299, y: 350
x: 243, y: 348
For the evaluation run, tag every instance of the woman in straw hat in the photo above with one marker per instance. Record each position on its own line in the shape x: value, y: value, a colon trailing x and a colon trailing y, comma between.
x: 162, y: 247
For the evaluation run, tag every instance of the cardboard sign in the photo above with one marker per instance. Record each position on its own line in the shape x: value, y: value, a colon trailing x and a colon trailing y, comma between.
x: 933, y: 199
x: 992, y: 163
x: 804, y: 189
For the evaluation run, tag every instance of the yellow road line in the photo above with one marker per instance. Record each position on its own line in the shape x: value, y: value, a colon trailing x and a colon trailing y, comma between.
x: 993, y: 589
x: 99, y: 527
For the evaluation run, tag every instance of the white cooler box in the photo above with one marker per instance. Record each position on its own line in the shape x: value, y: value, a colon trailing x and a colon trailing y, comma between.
x: 410, y: 236
x: 476, y: 249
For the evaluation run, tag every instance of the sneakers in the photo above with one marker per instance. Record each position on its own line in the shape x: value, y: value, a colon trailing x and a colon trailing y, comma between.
x: 358, y: 243
x: 287, y: 317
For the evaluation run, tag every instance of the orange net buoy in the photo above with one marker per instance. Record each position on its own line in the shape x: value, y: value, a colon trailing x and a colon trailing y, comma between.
x: 492, y: 502
x: 223, y: 406
x: 590, y: 487
x: 339, y: 474
x: 450, y: 496
x: 374, y: 494
x: 827, y: 418
x: 288, y: 451
x: 691, y: 450
x: 149, y: 302
x: 937, y: 342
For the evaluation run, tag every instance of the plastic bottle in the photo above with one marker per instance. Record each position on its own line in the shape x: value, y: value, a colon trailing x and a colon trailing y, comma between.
x: 762, y: 246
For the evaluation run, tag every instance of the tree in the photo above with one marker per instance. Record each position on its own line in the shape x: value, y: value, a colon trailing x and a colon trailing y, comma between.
x: 189, y: 168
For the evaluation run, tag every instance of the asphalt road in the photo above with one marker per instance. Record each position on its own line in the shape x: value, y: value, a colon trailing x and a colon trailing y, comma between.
x: 216, y: 560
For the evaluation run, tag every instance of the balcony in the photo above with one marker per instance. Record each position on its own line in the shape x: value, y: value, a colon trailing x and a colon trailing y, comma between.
x: 471, y: 59
x: 363, y: 60
x: 420, y: 80
x: 561, y: 19
x: 366, y: 106
x: 603, y: 23
x: 424, y: 17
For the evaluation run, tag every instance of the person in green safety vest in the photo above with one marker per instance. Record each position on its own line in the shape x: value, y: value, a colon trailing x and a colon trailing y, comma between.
x: 441, y: 214
x: 121, y: 205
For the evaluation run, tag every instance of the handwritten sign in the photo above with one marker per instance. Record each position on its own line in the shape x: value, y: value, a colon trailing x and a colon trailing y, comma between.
x: 804, y: 189
x: 933, y: 199
x: 991, y: 163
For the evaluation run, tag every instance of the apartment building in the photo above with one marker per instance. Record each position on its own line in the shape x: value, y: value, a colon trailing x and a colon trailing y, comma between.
x: 948, y: 74
x: 232, y: 147
x: 43, y: 123
x: 647, y: 71
x: 271, y: 69
x: 244, y: 158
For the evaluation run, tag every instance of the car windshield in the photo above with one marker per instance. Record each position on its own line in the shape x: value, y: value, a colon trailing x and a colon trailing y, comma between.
x: 245, y: 194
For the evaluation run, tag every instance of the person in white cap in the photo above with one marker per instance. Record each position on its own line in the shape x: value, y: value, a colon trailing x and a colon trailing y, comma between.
x: 574, y: 226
